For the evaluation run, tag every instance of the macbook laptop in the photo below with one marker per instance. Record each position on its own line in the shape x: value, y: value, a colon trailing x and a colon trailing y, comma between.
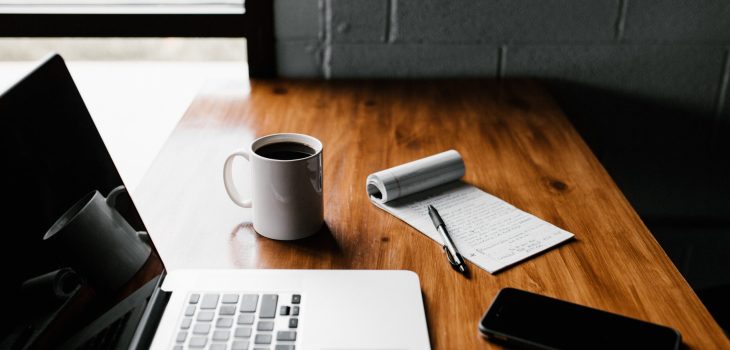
x: 56, y: 295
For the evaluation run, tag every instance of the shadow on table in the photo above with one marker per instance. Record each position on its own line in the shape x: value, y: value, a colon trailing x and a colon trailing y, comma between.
x: 670, y: 159
x: 321, y: 250
x: 319, y: 245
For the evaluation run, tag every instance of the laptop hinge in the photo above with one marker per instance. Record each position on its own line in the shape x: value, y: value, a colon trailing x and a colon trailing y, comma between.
x: 147, y: 326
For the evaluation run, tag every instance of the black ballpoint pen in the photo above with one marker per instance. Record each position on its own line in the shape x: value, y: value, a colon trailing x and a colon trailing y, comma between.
x: 455, y: 259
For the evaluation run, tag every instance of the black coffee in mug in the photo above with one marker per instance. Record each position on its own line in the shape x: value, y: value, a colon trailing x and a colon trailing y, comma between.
x: 285, y: 151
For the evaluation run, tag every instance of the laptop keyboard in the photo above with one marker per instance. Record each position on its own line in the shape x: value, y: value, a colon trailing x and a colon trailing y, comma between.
x: 239, y: 321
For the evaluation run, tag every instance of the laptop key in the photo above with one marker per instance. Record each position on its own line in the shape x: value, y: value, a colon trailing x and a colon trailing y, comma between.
x: 205, y: 316
x: 293, y: 322
x: 224, y: 322
x: 295, y: 311
x: 227, y: 310
x: 221, y: 335
x: 198, y: 342
x: 286, y: 335
x: 268, y: 306
x: 190, y: 310
x: 245, y: 319
x: 229, y: 299
x: 201, y: 328
x: 186, y: 322
x: 296, y: 299
x: 284, y: 347
x: 262, y: 339
x: 239, y: 345
x: 248, y: 302
x: 284, y: 310
x: 217, y: 347
x: 242, y: 332
x: 181, y: 336
x: 265, y: 326
x: 210, y: 301
x: 194, y: 298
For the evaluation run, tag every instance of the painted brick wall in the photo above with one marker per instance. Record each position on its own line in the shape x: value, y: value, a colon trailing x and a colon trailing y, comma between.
x: 670, y: 51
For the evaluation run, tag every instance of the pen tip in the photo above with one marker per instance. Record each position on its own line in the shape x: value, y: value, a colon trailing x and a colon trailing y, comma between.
x: 461, y: 268
x: 430, y: 207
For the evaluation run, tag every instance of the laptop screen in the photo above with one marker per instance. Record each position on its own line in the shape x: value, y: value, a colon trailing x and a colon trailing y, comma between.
x: 73, y: 244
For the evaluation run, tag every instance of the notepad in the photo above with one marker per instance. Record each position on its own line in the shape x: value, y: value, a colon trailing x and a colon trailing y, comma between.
x: 487, y: 231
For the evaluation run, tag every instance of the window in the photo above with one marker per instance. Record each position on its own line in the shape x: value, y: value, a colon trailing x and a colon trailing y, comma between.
x: 148, y: 18
x: 122, y: 6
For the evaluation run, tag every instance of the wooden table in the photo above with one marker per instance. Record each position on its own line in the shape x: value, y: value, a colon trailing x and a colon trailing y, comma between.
x: 516, y: 144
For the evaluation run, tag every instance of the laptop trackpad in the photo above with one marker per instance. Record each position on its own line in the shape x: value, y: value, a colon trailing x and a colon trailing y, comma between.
x: 366, y: 310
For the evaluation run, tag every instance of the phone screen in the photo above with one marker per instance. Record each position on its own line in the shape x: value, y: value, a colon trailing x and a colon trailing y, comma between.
x: 535, y: 320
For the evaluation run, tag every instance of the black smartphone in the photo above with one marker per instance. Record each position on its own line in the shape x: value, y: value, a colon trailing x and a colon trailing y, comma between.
x: 535, y: 321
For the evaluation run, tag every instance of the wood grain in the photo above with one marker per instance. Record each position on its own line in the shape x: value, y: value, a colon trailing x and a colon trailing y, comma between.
x: 516, y: 144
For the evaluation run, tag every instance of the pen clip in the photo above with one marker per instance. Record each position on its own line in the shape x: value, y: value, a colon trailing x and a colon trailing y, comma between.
x: 450, y: 257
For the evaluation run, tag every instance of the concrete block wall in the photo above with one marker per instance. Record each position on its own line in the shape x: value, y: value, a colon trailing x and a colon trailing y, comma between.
x: 669, y: 51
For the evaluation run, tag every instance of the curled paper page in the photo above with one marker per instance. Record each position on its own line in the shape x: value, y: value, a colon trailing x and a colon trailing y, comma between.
x: 46, y: 293
x: 400, y: 181
x: 55, y: 285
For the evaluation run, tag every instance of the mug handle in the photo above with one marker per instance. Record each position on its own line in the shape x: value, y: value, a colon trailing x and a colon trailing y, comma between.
x: 111, y: 201
x: 228, y: 179
x: 111, y: 198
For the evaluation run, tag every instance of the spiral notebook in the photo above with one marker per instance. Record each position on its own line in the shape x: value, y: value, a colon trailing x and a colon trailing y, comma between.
x: 488, y: 231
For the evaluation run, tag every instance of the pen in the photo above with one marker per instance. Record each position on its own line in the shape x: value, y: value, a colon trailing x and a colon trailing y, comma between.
x: 455, y: 259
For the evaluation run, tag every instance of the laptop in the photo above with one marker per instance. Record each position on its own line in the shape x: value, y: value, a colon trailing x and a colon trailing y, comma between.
x: 52, y: 156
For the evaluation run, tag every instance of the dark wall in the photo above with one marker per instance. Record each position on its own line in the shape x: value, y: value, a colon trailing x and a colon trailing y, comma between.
x: 665, y: 50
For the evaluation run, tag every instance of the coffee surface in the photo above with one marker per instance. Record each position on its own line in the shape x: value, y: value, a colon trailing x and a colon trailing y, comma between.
x: 285, y: 151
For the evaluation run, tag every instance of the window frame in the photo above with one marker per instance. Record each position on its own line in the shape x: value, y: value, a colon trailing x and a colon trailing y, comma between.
x: 256, y: 25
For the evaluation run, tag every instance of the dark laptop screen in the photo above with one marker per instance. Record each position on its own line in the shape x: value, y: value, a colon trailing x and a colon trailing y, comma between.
x: 54, y: 163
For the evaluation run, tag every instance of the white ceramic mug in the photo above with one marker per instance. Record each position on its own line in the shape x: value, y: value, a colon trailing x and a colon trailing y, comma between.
x: 98, y: 242
x: 286, y: 194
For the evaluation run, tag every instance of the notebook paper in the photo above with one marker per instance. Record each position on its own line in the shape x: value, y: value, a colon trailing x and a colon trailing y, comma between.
x: 486, y: 230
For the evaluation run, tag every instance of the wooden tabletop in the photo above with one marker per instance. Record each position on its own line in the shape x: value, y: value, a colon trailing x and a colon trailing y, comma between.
x: 516, y: 144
